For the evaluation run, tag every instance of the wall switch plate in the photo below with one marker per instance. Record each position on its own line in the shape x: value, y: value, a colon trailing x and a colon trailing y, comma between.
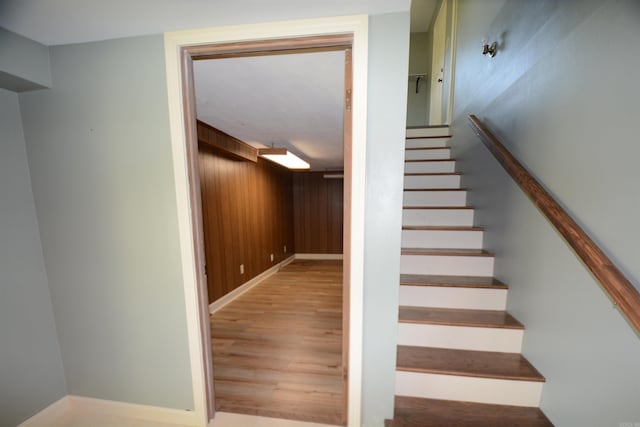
x: 285, y: 249
x: 271, y: 257
x: 241, y: 268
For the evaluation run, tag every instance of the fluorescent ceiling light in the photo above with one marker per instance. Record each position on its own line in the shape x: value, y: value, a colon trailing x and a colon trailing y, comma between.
x: 283, y: 157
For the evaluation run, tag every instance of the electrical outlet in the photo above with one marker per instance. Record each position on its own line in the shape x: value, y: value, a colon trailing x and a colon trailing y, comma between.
x: 241, y: 268
x: 271, y: 257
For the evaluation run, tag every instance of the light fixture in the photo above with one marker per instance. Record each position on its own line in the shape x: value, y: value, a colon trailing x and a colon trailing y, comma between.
x: 283, y: 157
x: 489, y: 49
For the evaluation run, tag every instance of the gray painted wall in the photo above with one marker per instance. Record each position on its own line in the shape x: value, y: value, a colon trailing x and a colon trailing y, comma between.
x: 100, y: 156
x: 98, y: 145
x: 24, y: 63
x: 387, y: 102
x: 562, y: 95
x: 31, y: 373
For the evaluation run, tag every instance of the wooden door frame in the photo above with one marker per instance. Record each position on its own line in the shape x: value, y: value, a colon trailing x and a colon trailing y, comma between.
x: 181, y: 48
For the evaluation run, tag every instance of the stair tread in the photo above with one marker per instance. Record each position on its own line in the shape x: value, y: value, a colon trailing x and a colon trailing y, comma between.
x: 451, y: 281
x: 442, y: 228
x: 468, y: 363
x: 436, y: 189
x: 446, y: 252
x: 433, y: 174
x: 428, y: 148
x: 428, y: 127
x: 430, y: 160
x: 438, y: 207
x: 419, y: 412
x: 458, y: 317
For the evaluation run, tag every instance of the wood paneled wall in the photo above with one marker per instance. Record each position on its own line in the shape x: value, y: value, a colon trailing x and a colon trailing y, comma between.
x: 318, y: 213
x: 247, y: 214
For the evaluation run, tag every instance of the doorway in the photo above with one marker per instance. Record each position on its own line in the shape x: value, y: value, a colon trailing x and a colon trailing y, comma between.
x: 182, y: 49
x: 431, y: 63
x: 276, y: 347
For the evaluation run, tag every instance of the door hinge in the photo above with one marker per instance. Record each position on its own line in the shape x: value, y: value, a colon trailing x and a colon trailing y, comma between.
x: 348, y: 100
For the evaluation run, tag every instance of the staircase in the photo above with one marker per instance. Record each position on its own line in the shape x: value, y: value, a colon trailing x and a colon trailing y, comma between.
x: 458, y: 360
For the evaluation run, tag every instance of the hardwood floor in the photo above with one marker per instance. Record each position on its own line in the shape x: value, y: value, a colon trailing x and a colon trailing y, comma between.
x: 277, y: 348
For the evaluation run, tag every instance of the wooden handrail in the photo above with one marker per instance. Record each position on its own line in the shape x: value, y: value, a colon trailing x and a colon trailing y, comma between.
x: 614, y: 282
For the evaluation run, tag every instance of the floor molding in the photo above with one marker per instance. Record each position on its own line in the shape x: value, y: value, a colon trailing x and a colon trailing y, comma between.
x: 226, y: 299
x: 319, y: 256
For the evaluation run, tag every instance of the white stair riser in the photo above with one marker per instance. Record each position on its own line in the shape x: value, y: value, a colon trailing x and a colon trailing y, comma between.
x: 461, y: 337
x: 452, y: 217
x: 426, y: 142
x: 428, y: 132
x: 448, y: 166
x: 431, y: 154
x: 470, y: 389
x: 435, y: 198
x: 454, y: 265
x: 431, y: 181
x: 444, y: 239
x: 449, y: 297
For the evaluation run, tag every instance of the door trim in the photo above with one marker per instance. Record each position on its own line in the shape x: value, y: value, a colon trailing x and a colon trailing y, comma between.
x: 177, y: 46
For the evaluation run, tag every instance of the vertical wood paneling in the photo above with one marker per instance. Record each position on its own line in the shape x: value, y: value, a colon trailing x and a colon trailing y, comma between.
x: 247, y: 211
x: 318, y: 213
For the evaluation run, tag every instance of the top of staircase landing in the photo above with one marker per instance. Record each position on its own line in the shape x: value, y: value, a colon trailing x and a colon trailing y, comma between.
x: 439, y: 131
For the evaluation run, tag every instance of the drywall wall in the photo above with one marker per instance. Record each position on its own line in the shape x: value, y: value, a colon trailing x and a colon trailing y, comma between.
x: 388, y: 63
x: 562, y: 94
x: 98, y: 145
x: 419, y: 92
x: 24, y: 63
x: 31, y: 373
x: 100, y: 157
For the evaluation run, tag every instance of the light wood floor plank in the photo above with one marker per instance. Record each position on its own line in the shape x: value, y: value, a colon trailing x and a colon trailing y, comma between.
x: 277, y: 348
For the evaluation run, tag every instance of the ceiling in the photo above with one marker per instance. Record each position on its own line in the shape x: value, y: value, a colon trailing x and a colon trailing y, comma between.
x: 290, y: 101
x: 421, y: 15
x: 54, y: 22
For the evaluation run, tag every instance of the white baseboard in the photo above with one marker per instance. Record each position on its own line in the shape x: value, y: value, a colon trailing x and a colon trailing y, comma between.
x: 132, y: 410
x: 319, y: 256
x: 49, y: 414
x: 77, y: 405
x: 222, y: 301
